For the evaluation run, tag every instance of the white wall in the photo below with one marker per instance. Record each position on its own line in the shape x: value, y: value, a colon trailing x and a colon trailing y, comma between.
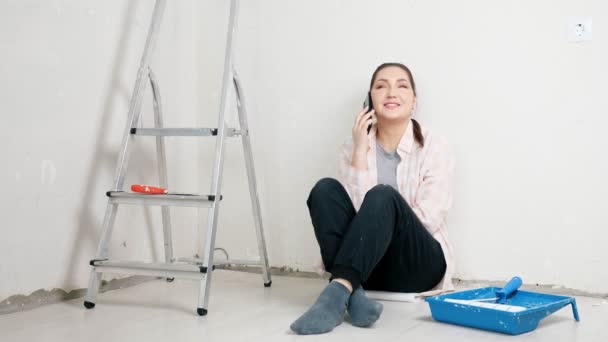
x: 519, y: 103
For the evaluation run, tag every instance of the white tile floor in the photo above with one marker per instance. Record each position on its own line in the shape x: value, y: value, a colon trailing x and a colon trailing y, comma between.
x: 241, y: 309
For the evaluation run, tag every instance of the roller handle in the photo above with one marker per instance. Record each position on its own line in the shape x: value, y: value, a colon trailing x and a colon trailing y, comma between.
x: 508, y: 290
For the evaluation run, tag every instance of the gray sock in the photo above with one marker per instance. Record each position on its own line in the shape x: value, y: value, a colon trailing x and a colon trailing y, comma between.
x: 363, y: 311
x: 326, y: 313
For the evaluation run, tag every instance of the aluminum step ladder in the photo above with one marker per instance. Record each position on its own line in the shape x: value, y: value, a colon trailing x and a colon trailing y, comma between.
x: 197, y: 269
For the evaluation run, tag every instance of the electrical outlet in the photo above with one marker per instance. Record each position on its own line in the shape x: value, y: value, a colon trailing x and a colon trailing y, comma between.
x: 579, y: 29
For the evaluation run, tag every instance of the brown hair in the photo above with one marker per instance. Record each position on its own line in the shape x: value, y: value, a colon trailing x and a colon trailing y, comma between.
x: 417, y: 130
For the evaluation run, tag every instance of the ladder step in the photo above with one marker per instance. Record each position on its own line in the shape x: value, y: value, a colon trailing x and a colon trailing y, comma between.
x: 238, y: 262
x: 182, y: 132
x: 220, y: 262
x: 177, y: 200
x: 175, y: 132
x: 167, y: 270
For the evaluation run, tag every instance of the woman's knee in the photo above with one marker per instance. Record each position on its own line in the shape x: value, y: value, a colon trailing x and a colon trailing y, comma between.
x: 323, y: 188
x: 381, y: 193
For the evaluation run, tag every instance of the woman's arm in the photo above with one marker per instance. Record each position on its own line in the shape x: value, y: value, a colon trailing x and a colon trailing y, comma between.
x: 354, y: 179
x: 353, y: 170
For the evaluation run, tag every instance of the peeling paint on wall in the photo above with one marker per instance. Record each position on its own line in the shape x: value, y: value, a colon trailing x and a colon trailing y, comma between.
x: 42, y: 297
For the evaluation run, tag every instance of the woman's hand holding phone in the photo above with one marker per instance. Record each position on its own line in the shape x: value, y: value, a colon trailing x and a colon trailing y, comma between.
x: 360, y: 140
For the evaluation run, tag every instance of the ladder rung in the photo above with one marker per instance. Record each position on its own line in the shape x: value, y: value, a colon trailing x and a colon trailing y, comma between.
x: 175, y: 132
x: 221, y: 262
x: 150, y: 269
x: 237, y: 262
x: 182, y: 132
x: 177, y: 200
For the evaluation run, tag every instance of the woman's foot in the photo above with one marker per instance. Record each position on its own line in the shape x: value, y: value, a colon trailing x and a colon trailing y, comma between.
x: 363, y: 311
x: 326, y: 313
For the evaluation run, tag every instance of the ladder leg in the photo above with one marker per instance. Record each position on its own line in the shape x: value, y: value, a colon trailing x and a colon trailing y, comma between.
x: 162, y: 168
x: 208, y: 251
x: 205, y: 286
x: 110, y: 215
x: 102, y: 253
x: 253, y: 191
x: 218, y: 165
x: 94, y: 283
x: 123, y: 157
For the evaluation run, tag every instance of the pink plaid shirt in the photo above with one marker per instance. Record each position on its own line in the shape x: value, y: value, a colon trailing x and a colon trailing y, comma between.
x: 424, y: 178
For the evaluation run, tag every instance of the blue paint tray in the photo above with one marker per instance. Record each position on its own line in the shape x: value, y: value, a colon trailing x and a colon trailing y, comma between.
x: 516, y: 312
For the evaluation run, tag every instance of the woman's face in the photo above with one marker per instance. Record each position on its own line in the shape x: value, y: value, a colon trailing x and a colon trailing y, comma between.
x: 392, y: 94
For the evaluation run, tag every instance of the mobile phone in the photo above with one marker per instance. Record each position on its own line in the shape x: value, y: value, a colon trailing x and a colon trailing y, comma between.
x: 370, y: 105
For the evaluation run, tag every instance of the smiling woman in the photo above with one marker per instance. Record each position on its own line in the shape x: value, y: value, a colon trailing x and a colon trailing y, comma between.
x: 405, y: 90
x: 382, y: 224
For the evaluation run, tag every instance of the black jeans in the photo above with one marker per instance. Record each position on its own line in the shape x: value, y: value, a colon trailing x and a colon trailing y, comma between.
x: 382, y: 247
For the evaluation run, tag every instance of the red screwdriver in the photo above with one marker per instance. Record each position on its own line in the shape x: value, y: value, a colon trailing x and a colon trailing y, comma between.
x: 148, y: 189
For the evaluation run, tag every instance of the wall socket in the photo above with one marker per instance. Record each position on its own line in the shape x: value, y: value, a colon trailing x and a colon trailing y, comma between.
x: 579, y: 29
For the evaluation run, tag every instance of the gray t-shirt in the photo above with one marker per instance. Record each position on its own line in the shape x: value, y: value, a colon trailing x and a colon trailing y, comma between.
x: 387, y: 166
